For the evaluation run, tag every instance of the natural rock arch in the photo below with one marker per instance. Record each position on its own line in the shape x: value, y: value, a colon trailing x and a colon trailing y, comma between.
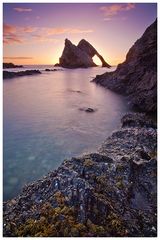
x: 80, y: 56
x: 91, y: 51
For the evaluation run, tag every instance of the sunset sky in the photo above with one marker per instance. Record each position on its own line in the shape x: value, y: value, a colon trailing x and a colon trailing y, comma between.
x: 34, y: 33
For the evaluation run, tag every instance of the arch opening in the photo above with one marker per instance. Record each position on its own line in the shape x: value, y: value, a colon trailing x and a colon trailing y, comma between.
x: 97, y: 61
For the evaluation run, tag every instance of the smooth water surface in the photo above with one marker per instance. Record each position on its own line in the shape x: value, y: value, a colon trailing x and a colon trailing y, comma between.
x: 43, y: 124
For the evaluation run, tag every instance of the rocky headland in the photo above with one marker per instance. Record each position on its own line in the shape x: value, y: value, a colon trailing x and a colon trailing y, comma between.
x: 109, y: 193
x: 11, y: 65
x: 136, y: 77
x: 8, y: 75
x: 79, y: 56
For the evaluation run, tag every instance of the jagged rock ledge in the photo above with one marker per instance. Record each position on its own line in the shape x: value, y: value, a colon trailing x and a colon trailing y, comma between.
x: 109, y: 193
x: 136, y: 77
x: 7, y: 74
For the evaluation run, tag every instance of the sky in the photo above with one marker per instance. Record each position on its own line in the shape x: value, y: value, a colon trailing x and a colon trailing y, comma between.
x: 34, y: 33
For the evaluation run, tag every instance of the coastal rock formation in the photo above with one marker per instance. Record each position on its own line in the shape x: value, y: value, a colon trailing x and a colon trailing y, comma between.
x: 79, y: 56
x: 11, y: 65
x: 137, y: 76
x: 7, y: 74
x: 109, y: 193
x: 91, y: 51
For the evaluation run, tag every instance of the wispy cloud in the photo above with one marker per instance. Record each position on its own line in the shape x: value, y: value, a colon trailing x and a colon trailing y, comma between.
x: 23, y: 9
x: 28, y: 29
x: 57, y: 31
x: 107, y: 19
x: 15, y: 34
x: 114, y: 9
x: 10, y: 35
x: 42, y: 38
x: 18, y: 58
x: 7, y: 28
x: 27, y: 34
x: 12, y: 39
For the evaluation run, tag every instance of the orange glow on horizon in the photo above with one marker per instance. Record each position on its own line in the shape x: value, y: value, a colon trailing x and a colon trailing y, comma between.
x: 52, y: 61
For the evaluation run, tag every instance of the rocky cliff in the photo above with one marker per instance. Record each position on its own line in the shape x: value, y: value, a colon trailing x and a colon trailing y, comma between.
x: 137, y: 76
x: 79, y: 56
x: 109, y: 193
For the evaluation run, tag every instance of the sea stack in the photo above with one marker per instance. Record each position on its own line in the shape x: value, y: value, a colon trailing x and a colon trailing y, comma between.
x: 79, y: 56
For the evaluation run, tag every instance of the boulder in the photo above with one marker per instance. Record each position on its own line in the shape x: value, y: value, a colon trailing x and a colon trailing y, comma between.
x: 79, y: 56
x: 136, y: 77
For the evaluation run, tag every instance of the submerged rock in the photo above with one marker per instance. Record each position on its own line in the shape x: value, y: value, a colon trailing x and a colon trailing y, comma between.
x: 136, y: 77
x: 109, y: 193
x: 79, y: 56
x: 7, y: 74
x: 89, y: 110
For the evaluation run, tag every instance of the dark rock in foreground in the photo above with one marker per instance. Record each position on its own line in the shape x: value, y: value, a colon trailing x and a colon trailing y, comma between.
x: 7, y: 74
x: 109, y: 193
x: 137, y: 76
x: 11, y: 65
x: 79, y: 56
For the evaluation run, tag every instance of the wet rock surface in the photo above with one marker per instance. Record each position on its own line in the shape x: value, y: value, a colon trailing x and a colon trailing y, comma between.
x: 7, y: 74
x: 137, y: 76
x: 79, y: 56
x: 109, y: 193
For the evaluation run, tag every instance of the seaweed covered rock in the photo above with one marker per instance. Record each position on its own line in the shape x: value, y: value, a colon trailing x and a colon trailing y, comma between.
x: 109, y: 193
x: 136, y: 77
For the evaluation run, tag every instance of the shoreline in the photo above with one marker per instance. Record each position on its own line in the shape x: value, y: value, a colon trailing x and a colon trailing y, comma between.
x: 98, y: 194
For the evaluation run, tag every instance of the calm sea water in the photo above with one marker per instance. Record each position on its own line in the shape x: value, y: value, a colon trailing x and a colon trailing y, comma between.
x: 43, y: 124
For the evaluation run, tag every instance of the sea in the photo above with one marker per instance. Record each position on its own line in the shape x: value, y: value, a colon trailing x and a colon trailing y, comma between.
x: 44, y: 122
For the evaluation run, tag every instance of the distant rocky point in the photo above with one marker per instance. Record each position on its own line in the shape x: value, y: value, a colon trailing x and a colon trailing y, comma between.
x: 11, y: 65
x: 136, y: 77
x: 79, y: 56
x: 7, y: 74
